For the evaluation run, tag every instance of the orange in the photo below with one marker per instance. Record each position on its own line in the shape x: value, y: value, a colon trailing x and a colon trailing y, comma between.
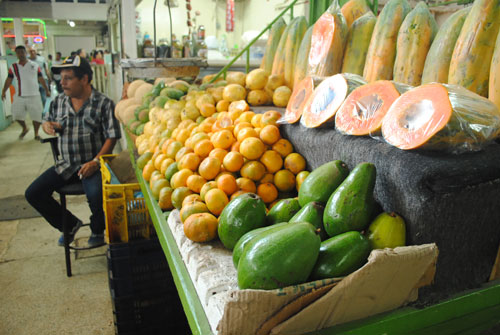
x: 270, y: 134
x: 190, y: 208
x: 155, y: 154
x: 246, y: 133
x: 253, y: 170
x: 252, y: 147
x: 216, y: 200
x: 238, y: 106
x: 179, y: 179
x: 154, y: 177
x: 165, y: 199
x: 207, y: 109
x: 222, y: 123
x: 188, y: 143
x: 191, y: 127
x: 237, y: 194
x: 233, y: 161
x: 183, y: 135
x: 201, y: 227
x: 182, y: 152
x: 197, y: 138
x: 272, y: 160
x: 185, y: 123
x: 270, y: 117
x: 165, y: 164
x: 223, y: 139
x: 245, y: 184
x: 227, y: 183
x: 240, y: 126
x: 175, y: 132
x: 203, y: 148
x: 191, y: 198
x: 158, y: 160
x: 209, y: 168
x: 246, y: 116
x: 195, y: 183
x: 234, y: 115
x: 218, y: 153
x: 236, y: 146
x: 283, y: 147
x: 295, y: 163
x: 207, y: 187
x: 189, y: 161
x: 173, y: 148
x: 222, y: 106
x: 148, y: 170
x: 165, y: 145
x: 257, y: 130
x: 157, y: 186
x: 300, y: 177
x: 267, y: 192
x: 256, y: 120
x: 205, y: 127
x: 284, y: 180
x: 267, y: 178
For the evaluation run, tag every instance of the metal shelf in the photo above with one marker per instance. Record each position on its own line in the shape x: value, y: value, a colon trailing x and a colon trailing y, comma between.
x: 163, y: 67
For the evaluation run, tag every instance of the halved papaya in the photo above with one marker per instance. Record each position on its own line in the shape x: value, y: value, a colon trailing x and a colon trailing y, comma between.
x: 363, y: 110
x: 441, y: 117
x: 302, y: 91
x: 326, y: 99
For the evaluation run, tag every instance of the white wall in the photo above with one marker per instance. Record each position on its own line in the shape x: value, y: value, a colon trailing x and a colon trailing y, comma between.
x: 54, y: 31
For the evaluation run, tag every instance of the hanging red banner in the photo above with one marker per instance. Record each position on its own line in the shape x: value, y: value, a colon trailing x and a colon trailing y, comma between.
x: 230, y: 15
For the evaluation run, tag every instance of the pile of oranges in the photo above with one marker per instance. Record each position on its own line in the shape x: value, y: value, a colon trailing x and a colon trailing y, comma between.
x: 203, y: 165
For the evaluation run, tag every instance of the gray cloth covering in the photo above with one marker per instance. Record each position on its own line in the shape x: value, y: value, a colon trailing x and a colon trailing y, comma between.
x: 452, y: 200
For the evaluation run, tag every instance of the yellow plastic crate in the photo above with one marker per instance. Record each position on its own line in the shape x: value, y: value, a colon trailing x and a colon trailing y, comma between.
x: 127, y: 217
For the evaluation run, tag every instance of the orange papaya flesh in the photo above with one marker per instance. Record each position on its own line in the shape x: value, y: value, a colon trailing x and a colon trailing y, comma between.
x: 301, y: 93
x: 441, y: 117
x: 364, y: 109
x: 326, y: 99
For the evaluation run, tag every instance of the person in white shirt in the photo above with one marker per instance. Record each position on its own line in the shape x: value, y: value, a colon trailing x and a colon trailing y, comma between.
x: 27, y: 98
x: 34, y: 57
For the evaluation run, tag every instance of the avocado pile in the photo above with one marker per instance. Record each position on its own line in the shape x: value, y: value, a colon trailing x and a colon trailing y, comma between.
x: 328, y: 231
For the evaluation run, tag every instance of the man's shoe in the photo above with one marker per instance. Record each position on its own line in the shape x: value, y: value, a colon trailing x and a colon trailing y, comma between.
x: 71, y: 235
x: 96, y: 240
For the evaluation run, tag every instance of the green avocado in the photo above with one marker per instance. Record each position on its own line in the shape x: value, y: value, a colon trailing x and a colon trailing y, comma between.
x: 341, y: 255
x: 172, y: 93
x: 279, y: 257
x: 388, y: 230
x: 241, y: 215
x: 283, y: 211
x: 312, y: 213
x: 322, y: 181
x: 245, y: 239
x: 351, y: 206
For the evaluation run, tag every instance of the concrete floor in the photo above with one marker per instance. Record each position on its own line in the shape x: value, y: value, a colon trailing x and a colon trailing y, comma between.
x: 36, y: 297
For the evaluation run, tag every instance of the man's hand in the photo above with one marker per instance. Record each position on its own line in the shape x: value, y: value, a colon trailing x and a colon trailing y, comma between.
x: 88, y: 169
x: 47, y: 93
x: 50, y: 127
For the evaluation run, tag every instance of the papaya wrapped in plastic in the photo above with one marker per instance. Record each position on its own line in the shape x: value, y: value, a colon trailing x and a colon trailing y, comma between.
x: 301, y: 93
x: 364, y: 109
x: 326, y: 99
x: 273, y: 40
x: 327, y: 43
x: 302, y: 57
x: 441, y: 117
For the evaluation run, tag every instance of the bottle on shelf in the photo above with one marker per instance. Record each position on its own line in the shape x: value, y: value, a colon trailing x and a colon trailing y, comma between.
x: 176, y: 48
x: 202, y: 49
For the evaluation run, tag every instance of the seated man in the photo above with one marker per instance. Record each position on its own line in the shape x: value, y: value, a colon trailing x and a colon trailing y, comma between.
x: 87, y: 129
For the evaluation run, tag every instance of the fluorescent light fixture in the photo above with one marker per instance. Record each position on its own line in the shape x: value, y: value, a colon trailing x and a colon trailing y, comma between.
x: 71, y: 23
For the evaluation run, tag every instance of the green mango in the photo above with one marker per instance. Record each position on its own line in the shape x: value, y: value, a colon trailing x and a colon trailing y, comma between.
x: 157, y: 88
x: 312, y: 213
x: 205, y: 86
x: 283, y: 211
x: 245, y: 239
x: 144, y: 159
x: 161, y: 100
x: 279, y: 257
x: 171, y: 170
x: 341, y: 255
x: 241, y: 215
x: 172, y: 93
x: 140, y: 129
x: 351, y: 206
x: 322, y: 181
x: 180, y: 85
x: 388, y: 230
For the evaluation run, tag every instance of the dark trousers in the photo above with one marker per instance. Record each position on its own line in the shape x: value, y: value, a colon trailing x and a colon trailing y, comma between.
x: 39, y: 195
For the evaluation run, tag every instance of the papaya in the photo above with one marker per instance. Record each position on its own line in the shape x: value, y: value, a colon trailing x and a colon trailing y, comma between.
x: 382, y: 50
x: 301, y: 93
x: 341, y: 255
x: 273, y: 40
x: 441, y: 117
x: 298, y: 27
x: 388, y: 230
x: 283, y: 211
x: 414, y: 41
x: 437, y: 62
x: 364, y: 109
x: 494, y: 85
x: 245, y: 239
x: 312, y: 213
x: 279, y: 57
x: 279, y: 257
x: 354, y: 9
x: 327, y: 43
x: 471, y: 59
x: 322, y: 181
x: 302, y: 56
x: 358, y: 42
x: 351, y: 205
x: 326, y: 99
x: 241, y: 215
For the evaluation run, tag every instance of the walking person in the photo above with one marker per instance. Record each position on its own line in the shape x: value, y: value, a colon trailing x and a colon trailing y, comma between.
x: 87, y: 128
x: 57, y: 77
x: 27, y: 99
x: 34, y: 57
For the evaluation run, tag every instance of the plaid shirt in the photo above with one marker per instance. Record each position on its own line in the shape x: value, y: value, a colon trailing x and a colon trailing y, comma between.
x: 83, y: 133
